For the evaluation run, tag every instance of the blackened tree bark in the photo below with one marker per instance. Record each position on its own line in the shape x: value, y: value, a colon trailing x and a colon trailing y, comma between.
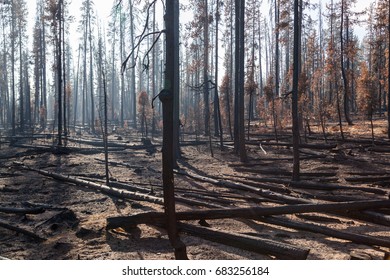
x: 91, y: 71
x: 122, y: 41
x: 343, y: 70
x: 167, y: 96
x: 388, y: 73
x: 133, y: 91
x: 239, y: 77
x: 205, y: 69
x: 76, y: 90
x: 13, y: 106
x: 217, y: 108
x: 277, y: 66
x: 21, y: 86
x: 295, y: 111
x: 59, y: 71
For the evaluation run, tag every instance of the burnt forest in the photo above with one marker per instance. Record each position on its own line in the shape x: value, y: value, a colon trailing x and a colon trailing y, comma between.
x: 194, y: 129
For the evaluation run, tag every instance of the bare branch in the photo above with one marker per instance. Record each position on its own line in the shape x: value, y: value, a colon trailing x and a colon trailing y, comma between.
x: 141, y: 37
x: 146, y: 65
x: 200, y: 87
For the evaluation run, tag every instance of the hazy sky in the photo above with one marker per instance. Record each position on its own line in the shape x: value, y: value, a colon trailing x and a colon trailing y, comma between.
x: 103, y: 8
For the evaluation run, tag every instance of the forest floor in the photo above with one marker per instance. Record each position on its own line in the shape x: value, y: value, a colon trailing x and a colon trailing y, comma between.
x: 74, y: 221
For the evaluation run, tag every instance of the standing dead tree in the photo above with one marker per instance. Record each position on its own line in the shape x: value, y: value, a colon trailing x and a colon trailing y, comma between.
x: 168, y: 96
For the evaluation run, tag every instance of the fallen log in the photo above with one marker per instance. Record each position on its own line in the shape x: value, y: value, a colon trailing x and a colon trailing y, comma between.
x: 100, y: 187
x: 302, y: 145
x: 354, y: 237
x: 368, y: 173
x: 21, y: 230
x: 120, y: 164
x: 248, y: 213
x: 317, y: 186
x: 301, y: 193
x: 367, y: 179
x: 232, y: 185
x: 374, y: 217
x: 65, y: 150
x: 11, y: 210
x: 285, y: 173
x: 25, y: 153
x: 246, y: 242
x: 121, y: 193
x: 44, y: 206
x: 264, y: 161
x: 368, y: 217
x: 99, y: 143
x: 379, y: 149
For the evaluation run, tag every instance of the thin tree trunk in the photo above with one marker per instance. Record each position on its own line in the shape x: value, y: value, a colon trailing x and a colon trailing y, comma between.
x: 13, y: 107
x: 91, y: 75
x: 217, y: 107
x: 277, y: 70
x: 343, y: 71
x: 121, y: 19
x: 105, y: 130
x: 21, y: 88
x: 239, y: 81
x: 339, y: 114
x: 76, y: 90
x: 59, y: 72
x: 205, y: 70
x: 295, y: 110
x: 133, y: 91
x: 64, y: 78
x: 44, y: 87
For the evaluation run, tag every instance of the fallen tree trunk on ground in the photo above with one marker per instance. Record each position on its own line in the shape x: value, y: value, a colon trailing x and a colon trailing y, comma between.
x: 65, y: 150
x: 277, y: 196
x: 317, y: 186
x: 249, y: 243
x: 302, y: 145
x: 99, y: 143
x: 11, y: 210
x: 21, y: 230
x: 379, y: 149
x: 367, y: 179
x: 232, y: 185
x: 248, y: 213
x: 121, y: 193
x: 354, y: 237
x: 100, y: 187
x: 285, y: 173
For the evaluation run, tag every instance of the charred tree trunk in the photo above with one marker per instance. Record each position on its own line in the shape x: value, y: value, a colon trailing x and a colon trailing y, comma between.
x: 295, y: 111
x: 388, y: 73
x: 239, y: 79
x: 166, y: 97
x: 343, y: 70
x: 59, y: 72
x: 217, y: 108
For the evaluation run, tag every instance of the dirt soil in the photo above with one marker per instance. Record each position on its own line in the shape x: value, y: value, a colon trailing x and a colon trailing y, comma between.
x: 74, y: 221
